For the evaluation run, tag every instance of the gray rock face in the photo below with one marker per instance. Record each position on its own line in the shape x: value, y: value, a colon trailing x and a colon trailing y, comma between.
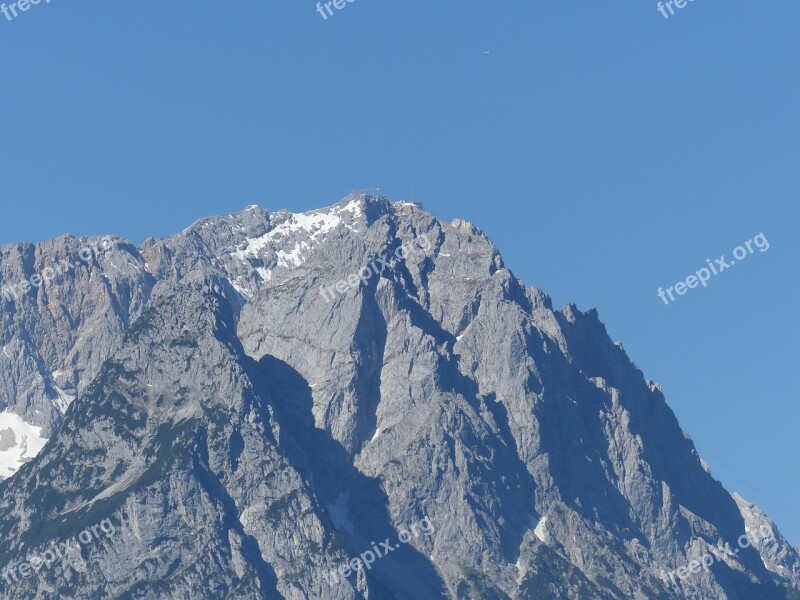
x: 358, y: 402
x: 57, y: 332
x: 776, y: 552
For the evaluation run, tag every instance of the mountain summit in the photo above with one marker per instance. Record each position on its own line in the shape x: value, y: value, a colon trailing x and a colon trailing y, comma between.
x: 356, y: 402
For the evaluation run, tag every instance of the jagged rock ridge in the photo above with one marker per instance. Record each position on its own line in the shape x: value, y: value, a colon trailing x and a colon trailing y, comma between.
x: 263, y: 397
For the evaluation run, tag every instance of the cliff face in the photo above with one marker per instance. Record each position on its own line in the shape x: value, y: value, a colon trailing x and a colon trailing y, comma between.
x: 269, y: 402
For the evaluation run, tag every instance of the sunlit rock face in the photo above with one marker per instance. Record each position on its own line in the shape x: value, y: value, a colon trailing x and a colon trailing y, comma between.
x: 361, y: 401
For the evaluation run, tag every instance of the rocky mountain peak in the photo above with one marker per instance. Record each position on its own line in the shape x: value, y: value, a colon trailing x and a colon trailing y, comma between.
x: 356, y: 401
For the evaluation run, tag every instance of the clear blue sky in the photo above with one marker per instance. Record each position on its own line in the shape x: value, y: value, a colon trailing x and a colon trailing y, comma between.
x: 606, y: 150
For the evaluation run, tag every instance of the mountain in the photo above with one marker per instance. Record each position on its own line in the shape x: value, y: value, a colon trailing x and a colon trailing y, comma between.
x: 357, y: 402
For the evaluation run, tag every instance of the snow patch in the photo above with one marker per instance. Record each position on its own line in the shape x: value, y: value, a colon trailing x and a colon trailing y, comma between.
x: 242, y: 291
x: 293, y: 258
x: 314, y: 224
x: 540, y: 531
x: 20, y: 442
x: 64, y: 399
